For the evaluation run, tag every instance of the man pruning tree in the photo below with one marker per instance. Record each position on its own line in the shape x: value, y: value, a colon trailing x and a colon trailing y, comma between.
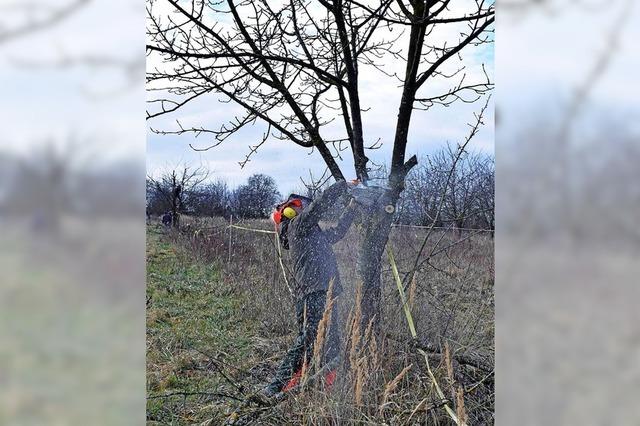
x: 314, y: 268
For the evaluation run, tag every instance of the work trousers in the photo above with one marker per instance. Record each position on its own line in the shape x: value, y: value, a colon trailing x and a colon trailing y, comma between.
x: 309, y: 311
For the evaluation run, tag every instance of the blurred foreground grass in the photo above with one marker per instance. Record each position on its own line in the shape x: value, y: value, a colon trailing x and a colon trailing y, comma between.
x: 65, y: 346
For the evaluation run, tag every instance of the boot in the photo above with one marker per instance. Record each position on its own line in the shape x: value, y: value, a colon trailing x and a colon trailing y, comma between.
x: 329, y: 378
x: 293, y: 382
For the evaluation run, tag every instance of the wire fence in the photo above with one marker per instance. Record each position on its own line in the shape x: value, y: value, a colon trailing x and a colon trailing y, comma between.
x: 410, y: 247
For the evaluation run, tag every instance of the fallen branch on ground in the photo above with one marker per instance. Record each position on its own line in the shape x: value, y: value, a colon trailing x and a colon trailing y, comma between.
x: 185, y: 394
x: 463, y: 359
x: 264, y: 403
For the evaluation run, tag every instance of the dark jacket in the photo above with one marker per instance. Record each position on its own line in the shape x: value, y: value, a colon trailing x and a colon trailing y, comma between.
x: 314, y: 263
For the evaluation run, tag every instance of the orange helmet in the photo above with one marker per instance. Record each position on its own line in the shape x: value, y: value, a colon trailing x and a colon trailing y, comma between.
x: 293, y: 202
x: 277, y: 215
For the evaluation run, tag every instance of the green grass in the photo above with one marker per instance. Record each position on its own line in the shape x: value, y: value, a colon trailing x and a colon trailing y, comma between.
x: 194, y: 329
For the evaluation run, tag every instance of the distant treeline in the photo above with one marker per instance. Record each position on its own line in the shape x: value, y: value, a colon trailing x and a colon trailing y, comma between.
x: 49, y: 182
x: 464, y: 194
x: 188, y: 191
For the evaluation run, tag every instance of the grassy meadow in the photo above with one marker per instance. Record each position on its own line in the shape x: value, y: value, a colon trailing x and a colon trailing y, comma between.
x: 220, y: 317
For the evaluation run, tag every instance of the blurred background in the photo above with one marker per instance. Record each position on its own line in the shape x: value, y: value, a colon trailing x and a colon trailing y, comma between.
x: 72, y: 212
x: 567, y: 199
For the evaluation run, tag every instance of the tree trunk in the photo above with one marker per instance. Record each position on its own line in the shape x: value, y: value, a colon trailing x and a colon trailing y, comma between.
x: 175, y: 214
x: 459, y: 227
x: 376, y: 227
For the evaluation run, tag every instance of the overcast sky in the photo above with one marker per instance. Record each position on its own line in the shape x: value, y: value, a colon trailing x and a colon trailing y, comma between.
x: 50, y: 103
x: 82, y: 78
x: 287, y: 162
x: 536, y: 76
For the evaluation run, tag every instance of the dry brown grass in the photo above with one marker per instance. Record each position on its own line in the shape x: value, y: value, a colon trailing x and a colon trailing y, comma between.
x: 323, y: 328
x: 460, y: 410
x: 391, y: 387
x: 355, y: 321
x: 451, y: 300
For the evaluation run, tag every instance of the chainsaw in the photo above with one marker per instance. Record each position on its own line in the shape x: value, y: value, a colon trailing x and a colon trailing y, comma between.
x: 369, y: 196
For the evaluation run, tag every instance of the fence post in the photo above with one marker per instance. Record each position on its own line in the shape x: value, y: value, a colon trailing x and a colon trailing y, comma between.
x: 230, y: 240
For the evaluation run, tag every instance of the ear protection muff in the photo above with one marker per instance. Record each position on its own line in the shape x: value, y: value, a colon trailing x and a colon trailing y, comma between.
x: 289, y: 212
x: 276, y: 217
x: 286, y: 210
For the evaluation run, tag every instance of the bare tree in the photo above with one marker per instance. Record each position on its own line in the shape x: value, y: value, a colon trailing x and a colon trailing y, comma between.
x: 485, y: 194
x: 463, y: 203
x: 420, y: 200
x: 295, y: 68
x: 42, y: 182
x: 20, y: 19
x: 44, y: 188
x: 177, y: 187
x: 256, y: 198
x: 467, y: 195
x: 212, y: 200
